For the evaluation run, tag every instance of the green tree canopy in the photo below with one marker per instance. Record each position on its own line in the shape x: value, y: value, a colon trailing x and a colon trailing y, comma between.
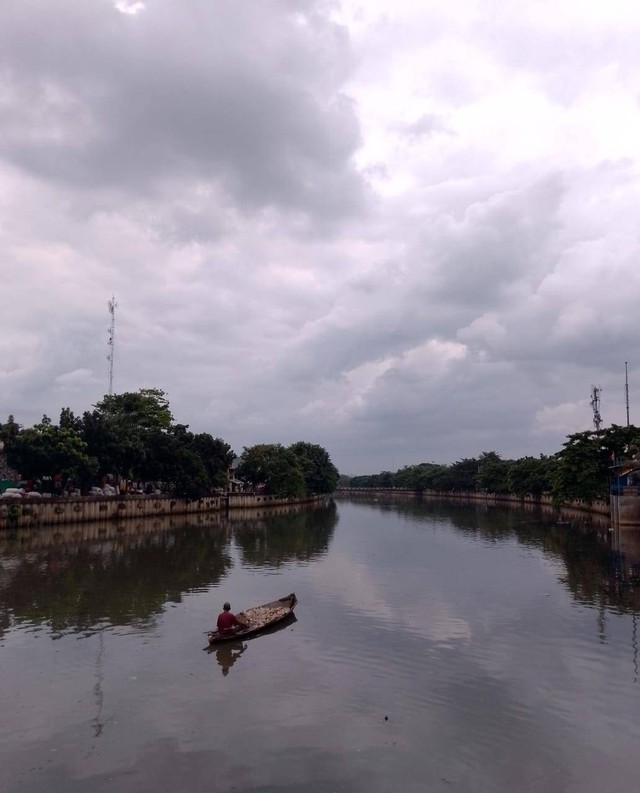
x: 493, y: 473
x: 45, y: 449
x: 583, y: 467
x: 530, y: 476
x: 130, y: 435
x: 216, y: 456
x: 320, y: 474
x: 119, y: 429
x: 146, y: 409
x: 273, y: 466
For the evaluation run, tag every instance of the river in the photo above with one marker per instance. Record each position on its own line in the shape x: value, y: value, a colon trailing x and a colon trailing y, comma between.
x: 437, y: 647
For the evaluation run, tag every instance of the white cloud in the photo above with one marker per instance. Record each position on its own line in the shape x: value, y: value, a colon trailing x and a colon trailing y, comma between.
x: 75, y: 379
x: 563, y: 419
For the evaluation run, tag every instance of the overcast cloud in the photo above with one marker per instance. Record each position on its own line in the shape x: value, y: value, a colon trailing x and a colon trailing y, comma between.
x: 406, y: 231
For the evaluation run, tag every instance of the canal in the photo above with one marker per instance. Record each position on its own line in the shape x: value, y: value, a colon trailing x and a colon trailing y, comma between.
x: 437, y: 647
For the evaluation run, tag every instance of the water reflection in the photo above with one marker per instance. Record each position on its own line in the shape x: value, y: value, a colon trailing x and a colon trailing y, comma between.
x: 275, y: 540
x: 75, y: 586
x: 432, y: 616
x: 600, y: 567
x: 81, y: 578
x: 228, y: 653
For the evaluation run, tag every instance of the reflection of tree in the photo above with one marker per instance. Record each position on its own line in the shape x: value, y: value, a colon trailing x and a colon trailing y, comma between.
x: 278, y: 539
x: 74, y: 587
x: 595, y: 573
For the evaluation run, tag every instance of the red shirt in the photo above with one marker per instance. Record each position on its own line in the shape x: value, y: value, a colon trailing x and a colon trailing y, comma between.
x: 226, y: 621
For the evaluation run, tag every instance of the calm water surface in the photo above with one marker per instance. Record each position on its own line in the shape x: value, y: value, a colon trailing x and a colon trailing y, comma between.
x: 437, y: 648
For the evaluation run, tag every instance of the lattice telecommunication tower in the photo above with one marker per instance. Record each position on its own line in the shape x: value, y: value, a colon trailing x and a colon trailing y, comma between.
x: 626, y: 389
x: 595, y: 406
x: 112, y: 339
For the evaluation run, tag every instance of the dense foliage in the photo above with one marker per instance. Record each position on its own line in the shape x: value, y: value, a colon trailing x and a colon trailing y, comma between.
x: 129, y: 436
x: 133, y: 436
x: 582, y: 469
x: 299, y: 470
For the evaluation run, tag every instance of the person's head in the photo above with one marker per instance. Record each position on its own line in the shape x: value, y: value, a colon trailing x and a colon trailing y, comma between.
x: 227, y: 607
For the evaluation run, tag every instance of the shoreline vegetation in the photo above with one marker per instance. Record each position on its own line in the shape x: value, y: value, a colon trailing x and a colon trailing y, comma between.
x: 590, y: 466
x: 130, y: 443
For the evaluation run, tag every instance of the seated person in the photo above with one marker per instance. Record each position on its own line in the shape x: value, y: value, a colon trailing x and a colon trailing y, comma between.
x: 228, y: 622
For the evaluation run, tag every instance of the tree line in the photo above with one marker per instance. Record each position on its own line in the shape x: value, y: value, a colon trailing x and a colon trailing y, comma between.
x: 133, y: 436
x: 582, y: 469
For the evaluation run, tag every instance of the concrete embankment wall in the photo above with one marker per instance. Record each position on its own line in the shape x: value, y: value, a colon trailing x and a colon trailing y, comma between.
x: 21, y: 513
x: 625, y: 507
x: 597, y: 507
x: 37, y: 537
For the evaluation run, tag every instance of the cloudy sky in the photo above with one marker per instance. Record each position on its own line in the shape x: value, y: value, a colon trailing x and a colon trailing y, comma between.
x: 405, y: 230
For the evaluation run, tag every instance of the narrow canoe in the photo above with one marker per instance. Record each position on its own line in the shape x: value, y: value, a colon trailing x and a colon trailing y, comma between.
x: 259, y: 618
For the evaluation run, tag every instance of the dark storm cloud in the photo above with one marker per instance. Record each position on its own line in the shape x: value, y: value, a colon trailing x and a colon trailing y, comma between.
x: 241, y: 95
x: 498, y: 242
x: 455, y: 270
x: 404, y: 233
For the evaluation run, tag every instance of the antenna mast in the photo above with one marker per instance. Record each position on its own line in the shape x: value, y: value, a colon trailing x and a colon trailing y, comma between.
x: 626, y: 389
x: 595, y: 406
x: 112, y: 305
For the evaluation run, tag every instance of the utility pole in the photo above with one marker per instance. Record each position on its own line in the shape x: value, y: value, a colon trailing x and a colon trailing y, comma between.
x: 595, y: 406
x: 626, y: 389
x: 112, y: 305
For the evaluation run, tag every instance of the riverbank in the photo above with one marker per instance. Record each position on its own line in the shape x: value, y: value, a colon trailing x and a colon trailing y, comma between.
x: 90, y: 509
x: 597, y: 506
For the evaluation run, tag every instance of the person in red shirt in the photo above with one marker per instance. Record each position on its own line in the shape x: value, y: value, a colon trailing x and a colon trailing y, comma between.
x: 228, y: 622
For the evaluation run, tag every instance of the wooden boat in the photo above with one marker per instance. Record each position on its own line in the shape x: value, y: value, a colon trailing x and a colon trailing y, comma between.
x: 259, y: 619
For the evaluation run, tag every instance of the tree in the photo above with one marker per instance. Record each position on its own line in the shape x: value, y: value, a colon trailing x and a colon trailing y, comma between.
x: 192, y: 464
x: 190, y: 478
x: 45, y: 450
x: 146, y: 409
x: 493, y: 473
x: 530, y: 476
x: 69, y: 421
x: 216, y: 455
x: 117, y: 450
x: 320, y: 474
x: 10, y: 430
x: 431, y: 477
x: 274, y: 467
x: 462, y: 475
x: 119, y: 430
x: 131, y: 435
x: 583, y: 466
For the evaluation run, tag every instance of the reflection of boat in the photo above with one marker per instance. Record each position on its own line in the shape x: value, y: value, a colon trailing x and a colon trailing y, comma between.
x: 259, y: 619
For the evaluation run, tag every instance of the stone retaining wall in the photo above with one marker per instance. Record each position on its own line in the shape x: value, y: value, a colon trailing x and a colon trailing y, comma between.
x: 24, y: 513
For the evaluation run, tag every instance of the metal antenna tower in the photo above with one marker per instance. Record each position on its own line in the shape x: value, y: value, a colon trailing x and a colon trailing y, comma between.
x: 626, y: 389
x: 112, y: 339
x: 595, y: 406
